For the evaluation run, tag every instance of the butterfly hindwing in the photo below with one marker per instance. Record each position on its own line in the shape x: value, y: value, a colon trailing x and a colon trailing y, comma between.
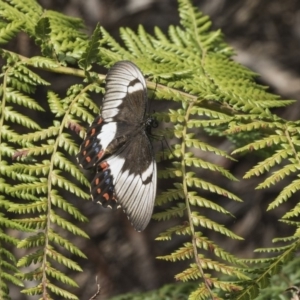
x: 102, y: 186
x: 132, y: 172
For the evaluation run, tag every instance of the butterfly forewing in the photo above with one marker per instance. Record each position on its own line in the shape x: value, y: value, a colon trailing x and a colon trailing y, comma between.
x: 118, y: 146
x: 125, y: 99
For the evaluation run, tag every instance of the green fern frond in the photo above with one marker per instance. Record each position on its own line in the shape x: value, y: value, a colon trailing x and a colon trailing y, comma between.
x: 192, y: 181
x: 59, y: 240
x: 15, y: 117
x: 91, y: 53
x: 55, y: 104
x: 194, y: 199
x: 63, y: 163
x: 171, y: 194
x: 58, y: 257
x: 66, y: 142
x: 13, y: 96
x: 33, y: 241
x: 60, y: 202
x: 293, y: 213
x: 9, y: 31
x: 279, y: 175
x: 268, y: 163
x: 186, y: 252
x: 178, y: 230
x: 51, y: 272
x: 207, y: 223
x: 61, y: 292
x: 8, y: 269
x: 191, y: 160
x: 32, y: 224
x: 205, y: 147
x: 285, y: 194
x: 38, y: 206
x: 170, y: 213
x: 42, y: 62
x: 61, y: 222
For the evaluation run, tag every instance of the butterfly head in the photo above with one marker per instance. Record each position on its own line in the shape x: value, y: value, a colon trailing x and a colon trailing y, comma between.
x: 151, y: 122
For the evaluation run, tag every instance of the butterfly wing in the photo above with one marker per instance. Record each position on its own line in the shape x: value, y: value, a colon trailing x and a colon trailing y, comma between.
x: 130, y: 177
x: 124, y: 107
x: 125, y: 100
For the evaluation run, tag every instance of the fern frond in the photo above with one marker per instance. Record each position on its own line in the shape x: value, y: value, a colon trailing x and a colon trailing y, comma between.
x: 279, y: 175
x: 198, y: 162
x: 178, y: 230
x: 207, y: 223
x: 33, y: 241
x: 14, y: 96
x: 64, y: 164
x: 51, y: 272
x: 67, y: 185
x: 268, y: 163
x: 195, y: 182
x: 9, y: 31
x: 38, y: 206
x: 15, y: 117
x: 285, y: 194
x: 66, y: 142
x: 204, y: 243
x: 170, y: 213
x: 61, y: 292
x: 59, y: 240
x: 55, y: 104
x: 58, y: 257
x: 60, y: 202
x: 171, y: 194
x: 183, y: 253
x: 43, y: 62
x: 194, y: 199
x: 61, y: 222
x: 205, y: 147
x: 293, y: 213
x: 91, y: 53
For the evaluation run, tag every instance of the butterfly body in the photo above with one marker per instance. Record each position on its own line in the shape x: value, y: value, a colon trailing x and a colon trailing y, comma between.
x: 117, y: 145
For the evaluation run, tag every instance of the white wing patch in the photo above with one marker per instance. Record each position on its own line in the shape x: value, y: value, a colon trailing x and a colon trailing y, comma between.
x: 107, y: 134
x: 134, y: 88
x: 147, y: 173
x: 134, y: 196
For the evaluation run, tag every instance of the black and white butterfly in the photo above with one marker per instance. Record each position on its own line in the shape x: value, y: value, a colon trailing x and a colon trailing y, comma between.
x: 118, y: 145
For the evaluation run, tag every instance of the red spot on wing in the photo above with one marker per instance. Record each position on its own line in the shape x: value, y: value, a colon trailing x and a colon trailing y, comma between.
x: 88, y: 159
x: 100, y: 154
x: 98, y: 190
x: 86, y: 143
x: 104, y: 165
x: 93, y: 131
x: 106, y: 196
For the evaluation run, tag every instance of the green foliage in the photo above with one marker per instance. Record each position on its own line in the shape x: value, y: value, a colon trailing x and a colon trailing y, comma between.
x: 167, y: 292
x: 212, y: 95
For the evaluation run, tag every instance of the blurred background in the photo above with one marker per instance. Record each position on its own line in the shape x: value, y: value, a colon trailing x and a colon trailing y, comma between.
x: 266, y: 39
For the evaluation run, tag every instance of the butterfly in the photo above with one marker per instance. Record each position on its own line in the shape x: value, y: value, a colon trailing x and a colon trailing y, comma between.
x: 118, y: 146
